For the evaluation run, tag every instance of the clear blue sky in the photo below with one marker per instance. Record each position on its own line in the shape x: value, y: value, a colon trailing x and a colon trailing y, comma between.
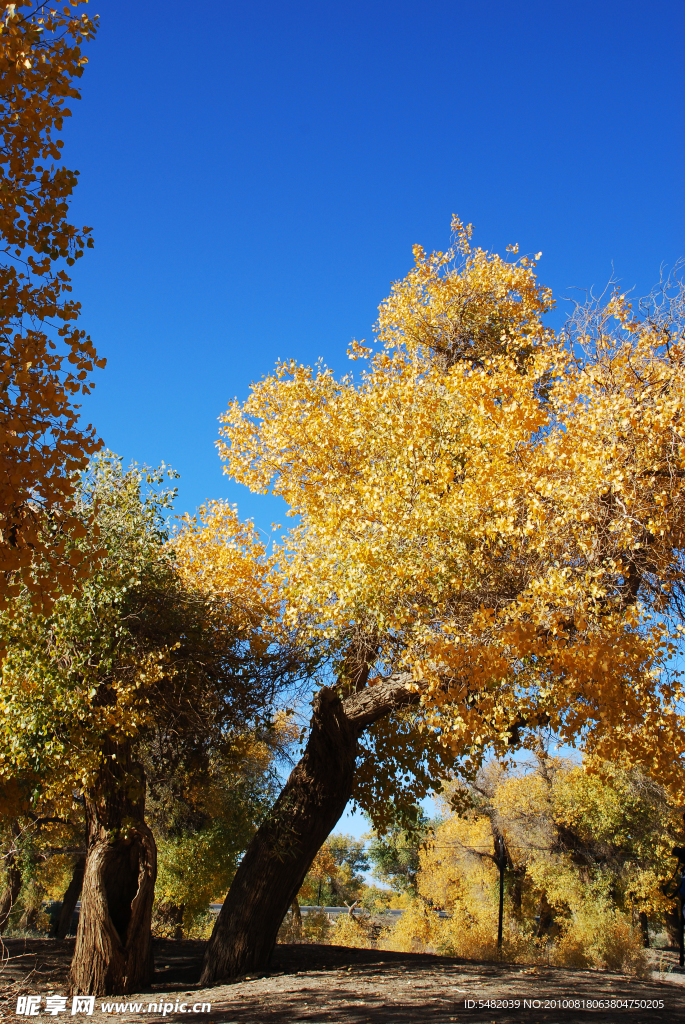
x: 256, y: 174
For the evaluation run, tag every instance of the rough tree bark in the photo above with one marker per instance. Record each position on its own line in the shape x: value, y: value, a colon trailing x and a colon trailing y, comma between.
x: 644, y: 928
x: 280, y: 854
x: 10, y: 894
x: 113, y: 952
x: 70, y: 899
x: 12, y: 888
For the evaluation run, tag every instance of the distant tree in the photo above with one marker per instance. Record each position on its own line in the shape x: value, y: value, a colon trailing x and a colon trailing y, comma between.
x: 45, y: 359
x: 395, y: 854
x: 349, y: 854
x: 40, y: 853
x: 609, y: 830
x: 334, y: 878
x: 588, y: 850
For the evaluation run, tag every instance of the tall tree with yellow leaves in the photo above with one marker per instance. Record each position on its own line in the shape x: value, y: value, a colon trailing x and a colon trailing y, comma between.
x: 45, y: 359
x: 489, y: 537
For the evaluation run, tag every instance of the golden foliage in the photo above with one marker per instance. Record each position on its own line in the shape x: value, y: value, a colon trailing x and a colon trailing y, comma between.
x: 588, y: 848
x: 225, y: 559
x: 600, y: 939
x: 352, y: 931
x: 45, y: 359
x: 617, y: 817
x: 495, y: 507
x: 333, y: 878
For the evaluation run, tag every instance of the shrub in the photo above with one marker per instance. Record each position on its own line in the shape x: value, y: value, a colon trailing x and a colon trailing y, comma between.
x: 353, y: 931
x: 600, y: 939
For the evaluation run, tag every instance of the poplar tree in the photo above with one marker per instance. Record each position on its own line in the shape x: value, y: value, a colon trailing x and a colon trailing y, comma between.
x: 46, y: 359
x: 142, y: 667
x: 489, y: 538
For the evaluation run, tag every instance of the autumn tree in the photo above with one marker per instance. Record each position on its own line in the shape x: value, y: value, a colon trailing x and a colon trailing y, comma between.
x: 41, y: 838
x: 41, y: 854
x: 489, y: 533
x: 45, y: 359
x: 588, y: 852
x: 141, y: 657
x: 395, y: 852
x: 334, y: 878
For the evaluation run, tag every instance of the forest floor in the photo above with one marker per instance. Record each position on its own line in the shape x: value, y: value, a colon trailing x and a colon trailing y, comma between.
x: 321, y: 984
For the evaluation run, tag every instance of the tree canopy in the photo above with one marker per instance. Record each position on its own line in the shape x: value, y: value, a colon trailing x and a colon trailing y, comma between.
x: 45, y: 359
x: 490, y: 507
x: 139, y: 651
x: 153, y: 675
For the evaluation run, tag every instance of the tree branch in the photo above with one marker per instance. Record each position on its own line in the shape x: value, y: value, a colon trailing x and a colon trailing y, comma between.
x: 374, y: 702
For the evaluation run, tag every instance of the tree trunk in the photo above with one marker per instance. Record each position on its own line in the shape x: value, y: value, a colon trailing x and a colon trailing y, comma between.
x: 13, y: 886
x: 113, y: 954
x: 280, y: 854
x: 169, y: 918
x: 546, y: 917
x: 10, y: 894
x: 644, y: 928
x: 517, y: 893
x: 297, y: 918
x: 70, y: 899
x: 29, y: 918
x: 671, y: 919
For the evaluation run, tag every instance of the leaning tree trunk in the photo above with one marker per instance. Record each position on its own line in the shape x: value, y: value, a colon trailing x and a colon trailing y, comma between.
x: 272, y: 871
x: 113, y: 952
x: 70, y: 899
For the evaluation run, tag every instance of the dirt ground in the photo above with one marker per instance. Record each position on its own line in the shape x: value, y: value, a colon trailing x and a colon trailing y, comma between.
x: 310, y: 984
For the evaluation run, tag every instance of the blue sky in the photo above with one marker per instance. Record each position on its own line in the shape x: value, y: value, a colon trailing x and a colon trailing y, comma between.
x: 256, y: 174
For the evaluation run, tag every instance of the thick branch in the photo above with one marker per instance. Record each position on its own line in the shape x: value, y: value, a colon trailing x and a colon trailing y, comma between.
x: 373, y: 702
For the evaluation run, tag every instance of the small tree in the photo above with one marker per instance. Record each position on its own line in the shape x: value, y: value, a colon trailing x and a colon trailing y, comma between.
x: 334, y: 878
x: 395, y: 853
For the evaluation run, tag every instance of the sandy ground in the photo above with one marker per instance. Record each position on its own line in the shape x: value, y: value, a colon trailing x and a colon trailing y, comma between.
x: 309, y: 984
